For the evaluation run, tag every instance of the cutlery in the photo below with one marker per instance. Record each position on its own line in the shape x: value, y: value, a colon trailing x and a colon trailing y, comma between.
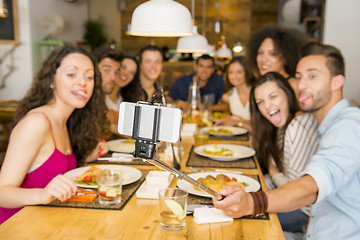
x: 115, y: 159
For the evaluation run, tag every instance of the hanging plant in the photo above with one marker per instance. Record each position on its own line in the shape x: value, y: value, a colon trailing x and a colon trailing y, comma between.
x: 94, y: 36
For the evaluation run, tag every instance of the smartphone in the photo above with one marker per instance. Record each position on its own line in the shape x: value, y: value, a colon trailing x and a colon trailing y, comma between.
x: 169, y: 121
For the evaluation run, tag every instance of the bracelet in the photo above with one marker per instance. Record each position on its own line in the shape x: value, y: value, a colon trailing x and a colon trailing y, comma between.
x: 260, y: 203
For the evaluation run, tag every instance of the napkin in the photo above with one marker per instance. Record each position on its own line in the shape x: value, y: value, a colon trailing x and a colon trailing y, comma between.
x: 188, y: 129
x: 151, y: 187
x: 210, y: 215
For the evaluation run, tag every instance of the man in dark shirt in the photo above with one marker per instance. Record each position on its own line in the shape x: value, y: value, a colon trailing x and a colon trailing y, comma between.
x: 210, y: 83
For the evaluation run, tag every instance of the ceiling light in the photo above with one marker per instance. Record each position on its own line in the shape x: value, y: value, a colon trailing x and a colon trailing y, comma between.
x: 237, y: 47
x: 224, y: 52
x: 217, y: 26
x: 210, y: 52
x: 161, y: 18
x: 195, y: 43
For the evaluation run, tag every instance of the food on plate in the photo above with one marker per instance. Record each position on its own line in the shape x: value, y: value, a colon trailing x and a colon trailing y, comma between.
x: 127, y: 145
x: 217, y: 116
x: 220, y: 131
x: 219, y: 182
x: 219, y: 151
x: 89, y: 176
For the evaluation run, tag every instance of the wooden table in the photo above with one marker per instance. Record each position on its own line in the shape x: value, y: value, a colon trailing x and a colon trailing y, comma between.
x: 138, y: 220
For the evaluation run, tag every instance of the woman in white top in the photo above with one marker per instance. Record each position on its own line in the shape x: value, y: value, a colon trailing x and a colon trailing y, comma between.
x: 237, y: 99
x: 127, y: 88
x: 283, y: 139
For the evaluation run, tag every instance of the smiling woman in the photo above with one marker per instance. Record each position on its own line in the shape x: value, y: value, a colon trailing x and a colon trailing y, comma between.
x: 51, y: 135
x: 284, y: 140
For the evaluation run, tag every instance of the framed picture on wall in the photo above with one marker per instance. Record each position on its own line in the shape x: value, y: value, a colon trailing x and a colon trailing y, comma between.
x: 9, y: 33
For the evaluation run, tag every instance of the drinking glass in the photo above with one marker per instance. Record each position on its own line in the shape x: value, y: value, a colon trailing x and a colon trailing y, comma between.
x: 201, y: 137
x: 173, y: 205
x: 109, y: 186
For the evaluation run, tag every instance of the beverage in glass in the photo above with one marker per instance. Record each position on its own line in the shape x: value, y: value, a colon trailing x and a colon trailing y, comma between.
x: 201, y: 137
x: 109, y: 186
x: 173, y: 205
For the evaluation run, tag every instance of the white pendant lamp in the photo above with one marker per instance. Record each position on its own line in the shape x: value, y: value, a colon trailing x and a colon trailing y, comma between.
x: 224, y: 52
x: 210, y: 52
x: 195, y: 43
x: 190, y: 44
x: 161, y: 18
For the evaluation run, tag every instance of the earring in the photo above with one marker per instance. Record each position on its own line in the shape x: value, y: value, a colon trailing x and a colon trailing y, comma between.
x: 51, y: 86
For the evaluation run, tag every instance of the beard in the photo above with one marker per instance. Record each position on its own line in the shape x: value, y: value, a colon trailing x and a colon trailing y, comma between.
x: 322, y: 98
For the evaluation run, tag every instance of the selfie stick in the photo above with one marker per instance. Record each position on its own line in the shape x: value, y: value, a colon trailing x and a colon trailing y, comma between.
x: 145, y: 148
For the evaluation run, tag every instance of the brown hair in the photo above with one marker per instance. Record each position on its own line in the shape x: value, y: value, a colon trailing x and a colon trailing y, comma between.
x: 85, y: 125
x: 335, y: 60
x: 264, y: 133
x: 287, y: 43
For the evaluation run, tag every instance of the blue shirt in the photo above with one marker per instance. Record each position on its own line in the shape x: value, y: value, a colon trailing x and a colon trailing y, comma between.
x: 336, y: 170
x: 213, y: 88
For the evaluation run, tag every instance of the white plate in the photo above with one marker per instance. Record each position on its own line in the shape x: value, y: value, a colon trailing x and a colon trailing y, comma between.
x: 239, y: 152
x: 234, y: 131
x: 132, y: 174
x: 121, y: 145
x: 253, y: 185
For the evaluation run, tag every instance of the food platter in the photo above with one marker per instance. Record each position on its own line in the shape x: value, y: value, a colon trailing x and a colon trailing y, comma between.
x: 252, y: 184
x: 211, y: 151
x: 130, y: 174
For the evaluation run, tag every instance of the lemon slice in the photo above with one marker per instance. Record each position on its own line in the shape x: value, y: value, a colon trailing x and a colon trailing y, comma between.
x: 176, y: 208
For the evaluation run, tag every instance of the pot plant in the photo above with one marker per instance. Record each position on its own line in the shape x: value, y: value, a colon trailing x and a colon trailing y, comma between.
x: 94, y: 36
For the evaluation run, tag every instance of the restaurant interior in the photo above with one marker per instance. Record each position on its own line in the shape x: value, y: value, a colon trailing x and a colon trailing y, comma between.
x: 36, y: 27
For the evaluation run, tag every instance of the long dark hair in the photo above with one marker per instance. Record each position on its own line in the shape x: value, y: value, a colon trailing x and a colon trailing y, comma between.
x: 287, y: 43
x: 86, y: 125
x: 264, y: 133
x: 242, y: 61
x: 132, y: 91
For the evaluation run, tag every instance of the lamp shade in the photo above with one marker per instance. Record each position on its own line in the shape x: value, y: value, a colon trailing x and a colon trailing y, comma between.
x: 161, y: 18
x: 224, y: 52
x: 195, y: 43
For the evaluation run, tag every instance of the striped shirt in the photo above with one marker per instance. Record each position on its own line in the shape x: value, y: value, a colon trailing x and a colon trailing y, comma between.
x: 300, y: 144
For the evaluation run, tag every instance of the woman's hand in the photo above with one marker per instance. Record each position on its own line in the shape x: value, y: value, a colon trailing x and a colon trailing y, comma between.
x: 100, y: 149
x: 273, y: 169
x: 60, y: 187
x: 227, y: 121
x: 237, y: 202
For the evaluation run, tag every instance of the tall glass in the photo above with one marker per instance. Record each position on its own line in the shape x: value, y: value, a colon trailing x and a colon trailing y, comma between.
x: 173, y: 206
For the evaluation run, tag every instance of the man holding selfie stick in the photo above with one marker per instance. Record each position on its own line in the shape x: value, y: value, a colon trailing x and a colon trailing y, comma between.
x: 331, y: 182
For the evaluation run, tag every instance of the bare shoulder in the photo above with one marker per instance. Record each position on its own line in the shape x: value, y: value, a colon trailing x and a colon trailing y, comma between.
x: 225, y: 97
x: 34, y: 124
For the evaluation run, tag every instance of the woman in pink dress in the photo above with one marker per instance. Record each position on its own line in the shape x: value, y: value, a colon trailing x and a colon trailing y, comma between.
x: 59, y: 126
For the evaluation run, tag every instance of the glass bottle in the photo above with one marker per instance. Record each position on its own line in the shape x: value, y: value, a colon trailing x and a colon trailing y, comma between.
x: 194, y: 107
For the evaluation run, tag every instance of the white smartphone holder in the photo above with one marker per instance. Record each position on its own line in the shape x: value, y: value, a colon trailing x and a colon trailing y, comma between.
x: 148, y: 123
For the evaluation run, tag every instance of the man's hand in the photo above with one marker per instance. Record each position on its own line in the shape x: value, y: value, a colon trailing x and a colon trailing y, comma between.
x: 237, y: 202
